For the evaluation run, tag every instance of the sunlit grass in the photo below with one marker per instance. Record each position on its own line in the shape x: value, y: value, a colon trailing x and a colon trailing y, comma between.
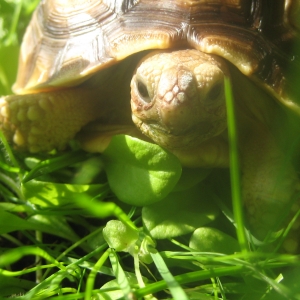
x: 53, y: 209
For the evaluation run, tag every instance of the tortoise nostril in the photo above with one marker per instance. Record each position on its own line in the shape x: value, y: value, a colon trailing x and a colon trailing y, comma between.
x: 143, y: 92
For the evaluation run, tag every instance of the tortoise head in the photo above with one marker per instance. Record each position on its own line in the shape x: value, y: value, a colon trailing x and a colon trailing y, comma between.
x: 177, y: 98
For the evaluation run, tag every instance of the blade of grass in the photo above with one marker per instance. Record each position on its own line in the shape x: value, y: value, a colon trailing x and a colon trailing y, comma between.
x: 120, y: 276
x: 191, y: 277
x: 105, y: 209
x: 15, y: 254
x: 11, y: 37
x: 9, y: 154
x: 234, y: 168
x: 53, y: 164
x: 91, y: 279
x: 175, y: 289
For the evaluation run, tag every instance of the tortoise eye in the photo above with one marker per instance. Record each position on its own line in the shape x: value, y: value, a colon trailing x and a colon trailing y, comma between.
x: 143, y: 91
x: 215, y: 92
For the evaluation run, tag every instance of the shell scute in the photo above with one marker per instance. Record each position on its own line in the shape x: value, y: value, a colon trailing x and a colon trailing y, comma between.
x: 68, y: 41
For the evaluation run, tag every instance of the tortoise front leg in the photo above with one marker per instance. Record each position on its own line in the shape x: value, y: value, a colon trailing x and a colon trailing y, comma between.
x: 270, y: 186
x: 44, y: 121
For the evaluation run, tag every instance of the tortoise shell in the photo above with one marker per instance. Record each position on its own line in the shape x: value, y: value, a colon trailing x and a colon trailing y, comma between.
x: 68, y: 41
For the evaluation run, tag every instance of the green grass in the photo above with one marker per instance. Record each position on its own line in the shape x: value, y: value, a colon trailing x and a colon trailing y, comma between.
x: 64, y: 234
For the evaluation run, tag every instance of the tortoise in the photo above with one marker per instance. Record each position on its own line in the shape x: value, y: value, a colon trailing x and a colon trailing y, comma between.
x: 78, y: 58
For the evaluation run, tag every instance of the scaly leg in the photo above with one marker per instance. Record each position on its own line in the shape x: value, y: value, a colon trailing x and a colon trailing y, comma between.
x: 269, y: 182
x: 41, y: 122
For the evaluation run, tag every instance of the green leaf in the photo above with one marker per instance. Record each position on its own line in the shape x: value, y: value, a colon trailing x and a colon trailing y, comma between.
x: 120, y: 236
x: 140, y: 173
x: 111, y: 290
x: 207, y: 239
x: 191, y: 177
x: 180, y: 213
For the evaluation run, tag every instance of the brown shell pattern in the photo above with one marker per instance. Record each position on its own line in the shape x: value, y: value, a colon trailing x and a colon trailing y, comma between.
x: 67, y: 41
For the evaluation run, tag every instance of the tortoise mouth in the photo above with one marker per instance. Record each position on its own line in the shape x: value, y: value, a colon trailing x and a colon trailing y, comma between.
x: 186, y: 138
